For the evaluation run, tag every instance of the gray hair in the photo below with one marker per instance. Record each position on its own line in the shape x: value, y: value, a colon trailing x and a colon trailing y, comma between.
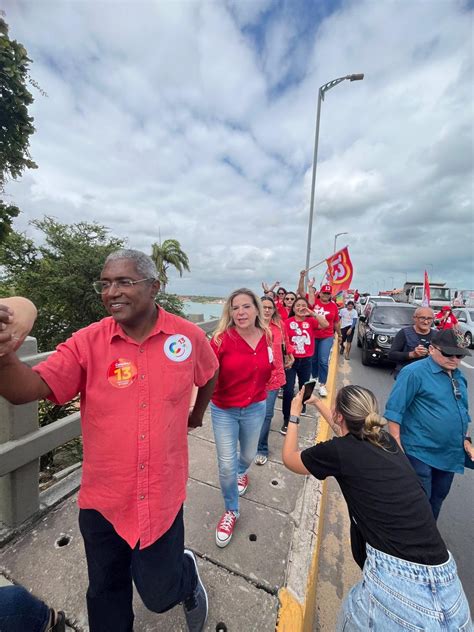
x: 143, y: 263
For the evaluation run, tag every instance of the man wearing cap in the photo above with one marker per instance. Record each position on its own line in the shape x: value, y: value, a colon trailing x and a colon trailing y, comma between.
x: 428, y: 415
x: 445, y: 319
x: 412, y: 343
x: 134, y: 372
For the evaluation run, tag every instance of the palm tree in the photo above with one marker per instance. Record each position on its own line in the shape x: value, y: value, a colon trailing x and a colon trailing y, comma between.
x: 168, y: 254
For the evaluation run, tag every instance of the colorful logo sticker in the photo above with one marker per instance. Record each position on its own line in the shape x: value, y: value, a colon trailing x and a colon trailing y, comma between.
x: 122, y: 373
x: 178, y: 347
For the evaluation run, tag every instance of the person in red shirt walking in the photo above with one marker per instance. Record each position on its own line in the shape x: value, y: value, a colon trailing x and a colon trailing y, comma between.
x: 324, y: 306
x: 301, y: 328
x: 282, y: 359
x: 135, y: 372
x: 243, y: 346
x: 445, y: 319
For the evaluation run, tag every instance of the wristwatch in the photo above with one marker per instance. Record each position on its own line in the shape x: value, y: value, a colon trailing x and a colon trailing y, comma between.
x: 294, y: 419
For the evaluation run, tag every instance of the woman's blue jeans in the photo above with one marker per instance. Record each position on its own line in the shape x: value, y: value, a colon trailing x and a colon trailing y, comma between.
x: 265, y: 431
x: 396, y: 595
x: 301, y: 368
x: 20, y: 611
x: 234, y: 426
x: 320, y: 364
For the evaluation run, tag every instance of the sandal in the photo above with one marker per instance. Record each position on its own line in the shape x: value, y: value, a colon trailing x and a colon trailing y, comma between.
x: 59, y: 619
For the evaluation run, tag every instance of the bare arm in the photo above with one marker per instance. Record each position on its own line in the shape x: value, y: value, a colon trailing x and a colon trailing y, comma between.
x: 19, y: 384
x: 394, y: 430
x: 291, y: 455
x: 325, y: 413
x: 202, y: 400
x: 300, y: 290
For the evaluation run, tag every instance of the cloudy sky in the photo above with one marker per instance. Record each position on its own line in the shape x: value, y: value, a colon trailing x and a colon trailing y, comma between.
x: 195, y: 120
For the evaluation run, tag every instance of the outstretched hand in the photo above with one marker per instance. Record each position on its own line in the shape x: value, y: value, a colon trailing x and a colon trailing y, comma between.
x: 297, y: 403
x: 6, y: 317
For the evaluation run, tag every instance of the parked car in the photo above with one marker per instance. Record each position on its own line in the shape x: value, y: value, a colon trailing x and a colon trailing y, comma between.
x: 378, y: 325
x: 363, y: 301
x: 466, y: 323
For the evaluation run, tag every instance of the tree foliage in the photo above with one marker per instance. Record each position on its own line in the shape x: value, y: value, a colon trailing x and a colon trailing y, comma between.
x: 58, y: 275
x: 16, y: 125
x: 168, y: 254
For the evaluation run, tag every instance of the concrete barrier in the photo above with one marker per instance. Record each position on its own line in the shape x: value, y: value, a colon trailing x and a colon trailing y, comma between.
x: 298, y: 597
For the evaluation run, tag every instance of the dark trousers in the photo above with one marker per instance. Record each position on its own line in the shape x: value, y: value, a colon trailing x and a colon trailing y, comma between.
x: 301, y: 368
x: 162, y: 574
x: 436, y: 483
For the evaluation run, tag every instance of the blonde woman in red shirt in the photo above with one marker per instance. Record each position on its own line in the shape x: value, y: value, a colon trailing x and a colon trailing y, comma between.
x: 282, y: 359
x: 243, y: 346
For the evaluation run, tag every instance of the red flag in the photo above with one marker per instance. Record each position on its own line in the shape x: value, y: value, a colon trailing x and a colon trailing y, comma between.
x: 340, y: 270
x: 426, y: 292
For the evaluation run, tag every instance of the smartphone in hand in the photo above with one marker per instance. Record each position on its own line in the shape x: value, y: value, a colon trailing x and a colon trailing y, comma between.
x: 308, y: 390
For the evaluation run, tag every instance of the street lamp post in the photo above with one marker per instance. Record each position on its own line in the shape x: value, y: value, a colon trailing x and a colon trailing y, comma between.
x: 335, y: 239
x: 322, y: 90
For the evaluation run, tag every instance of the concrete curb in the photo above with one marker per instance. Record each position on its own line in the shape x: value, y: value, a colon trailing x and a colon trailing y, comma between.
x: 298, y: 597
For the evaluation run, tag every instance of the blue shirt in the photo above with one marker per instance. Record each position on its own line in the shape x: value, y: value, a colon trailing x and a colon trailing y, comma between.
x: 433, y: 423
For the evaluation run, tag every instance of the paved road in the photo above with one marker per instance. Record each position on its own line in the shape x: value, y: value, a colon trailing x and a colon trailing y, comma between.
x: 456, y: 521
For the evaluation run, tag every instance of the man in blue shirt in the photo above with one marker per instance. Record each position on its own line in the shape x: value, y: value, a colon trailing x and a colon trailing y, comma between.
x: 428, y: 415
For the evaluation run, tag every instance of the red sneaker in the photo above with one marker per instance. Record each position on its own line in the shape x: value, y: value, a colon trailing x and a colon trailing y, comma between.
x: 242, y: 483
x: 225, y: 528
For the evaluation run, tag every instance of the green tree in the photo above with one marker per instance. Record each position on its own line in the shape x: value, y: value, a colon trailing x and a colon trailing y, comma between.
x: 168, y: 254
x: 58, y: 275
x: 16, y: 126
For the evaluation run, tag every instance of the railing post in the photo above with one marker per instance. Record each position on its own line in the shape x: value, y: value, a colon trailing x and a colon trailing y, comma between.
x: 19, y: 491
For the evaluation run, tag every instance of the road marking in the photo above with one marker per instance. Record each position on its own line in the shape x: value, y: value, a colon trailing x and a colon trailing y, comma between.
x: 468, y: 366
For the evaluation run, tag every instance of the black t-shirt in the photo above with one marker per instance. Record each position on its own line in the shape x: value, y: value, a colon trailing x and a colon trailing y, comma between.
x: 387, y: 505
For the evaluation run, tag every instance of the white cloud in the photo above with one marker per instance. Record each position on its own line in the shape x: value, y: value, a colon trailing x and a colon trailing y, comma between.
x: 197, y: 120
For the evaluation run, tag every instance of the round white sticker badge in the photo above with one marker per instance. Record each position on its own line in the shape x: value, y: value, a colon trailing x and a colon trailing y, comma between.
x: 177, y: 347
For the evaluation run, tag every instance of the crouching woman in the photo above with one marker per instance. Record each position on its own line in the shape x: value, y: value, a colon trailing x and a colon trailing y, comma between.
x: 410, y: 579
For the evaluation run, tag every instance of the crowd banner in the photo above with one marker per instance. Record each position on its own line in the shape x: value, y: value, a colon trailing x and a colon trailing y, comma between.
x: 340, y: 270
x: 426, y: 292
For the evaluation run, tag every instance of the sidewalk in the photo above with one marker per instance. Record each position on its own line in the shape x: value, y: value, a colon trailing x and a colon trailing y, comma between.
x: 242, y: 579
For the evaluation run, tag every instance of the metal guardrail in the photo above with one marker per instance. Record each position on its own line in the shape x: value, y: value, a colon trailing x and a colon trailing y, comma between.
x: 23, y: 442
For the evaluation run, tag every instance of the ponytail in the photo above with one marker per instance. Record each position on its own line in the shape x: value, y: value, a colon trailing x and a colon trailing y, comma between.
x: 360, y: 410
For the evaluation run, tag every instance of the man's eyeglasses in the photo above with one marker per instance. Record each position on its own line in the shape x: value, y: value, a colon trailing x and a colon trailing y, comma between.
x: 428, y: 319
x: 456, y: 389
x: 121, y: 284
x: 450, y: 355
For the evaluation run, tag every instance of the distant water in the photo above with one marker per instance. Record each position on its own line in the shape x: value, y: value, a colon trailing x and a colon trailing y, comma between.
x: 210, y: 310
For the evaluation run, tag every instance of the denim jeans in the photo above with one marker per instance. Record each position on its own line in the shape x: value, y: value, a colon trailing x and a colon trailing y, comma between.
x: 396, y: 595
x: 301, y: 368
x: 20, y: 611
x: 267, y: 422
x: 233, y: 426
x: 162, y: 574
x: 320, y: 364
x: 436, y: 483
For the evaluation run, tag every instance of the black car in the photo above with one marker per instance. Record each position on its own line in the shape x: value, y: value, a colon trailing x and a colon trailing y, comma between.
x: 378, y: 326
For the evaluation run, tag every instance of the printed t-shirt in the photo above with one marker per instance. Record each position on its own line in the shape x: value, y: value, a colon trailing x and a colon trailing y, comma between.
x: 243, y: 372
x: 330, y: 312
x: 387, y: 505
x: 301, y: 335
x: 449, y: 323
x: 347, y: 317
x: 134, y: 413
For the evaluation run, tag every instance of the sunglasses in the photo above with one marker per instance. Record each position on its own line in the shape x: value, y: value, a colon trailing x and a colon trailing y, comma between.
x: 456, y: 389
x: 450, y: 355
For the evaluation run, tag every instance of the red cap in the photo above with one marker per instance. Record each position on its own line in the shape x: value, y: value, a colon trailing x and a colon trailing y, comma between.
x: 326, y: 288
x: 445, y: 308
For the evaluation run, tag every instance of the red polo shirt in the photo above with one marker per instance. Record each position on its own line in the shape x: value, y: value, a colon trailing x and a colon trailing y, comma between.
x: 331, y: 312
x: 134, y: 414
x: 243, y: 371
x: 301, y: 335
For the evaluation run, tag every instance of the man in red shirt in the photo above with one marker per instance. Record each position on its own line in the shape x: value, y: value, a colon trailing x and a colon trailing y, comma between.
x: 134, y: 371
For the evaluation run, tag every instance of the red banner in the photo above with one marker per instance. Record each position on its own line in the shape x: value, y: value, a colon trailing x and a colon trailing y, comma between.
x: 426, y: 292
x: 340, y: 270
